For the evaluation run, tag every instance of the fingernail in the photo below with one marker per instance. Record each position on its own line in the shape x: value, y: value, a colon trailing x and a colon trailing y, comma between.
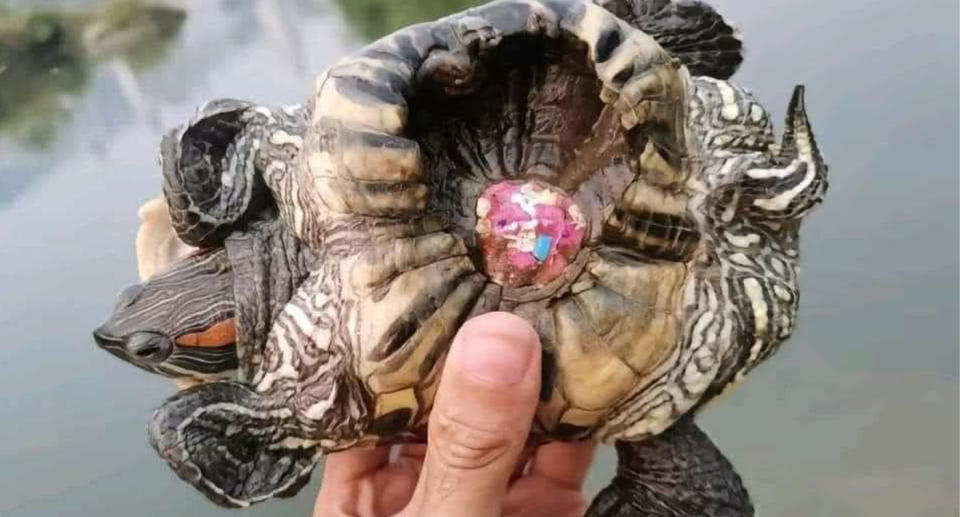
x: 496, y: 348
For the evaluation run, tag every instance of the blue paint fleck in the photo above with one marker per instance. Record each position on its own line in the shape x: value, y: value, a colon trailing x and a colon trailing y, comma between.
x: 541, y: 249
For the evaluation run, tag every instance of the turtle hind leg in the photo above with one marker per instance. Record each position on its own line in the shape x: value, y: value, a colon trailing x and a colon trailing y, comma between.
x: 679, y: 473
x: 692, y: 31
x: 232, y: 444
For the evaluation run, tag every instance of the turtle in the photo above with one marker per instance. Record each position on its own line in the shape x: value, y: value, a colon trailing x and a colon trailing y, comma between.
x: 660, y: 270
x: 201, y: 311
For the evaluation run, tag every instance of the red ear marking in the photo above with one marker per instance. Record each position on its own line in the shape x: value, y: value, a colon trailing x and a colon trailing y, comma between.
x: 220, y: 334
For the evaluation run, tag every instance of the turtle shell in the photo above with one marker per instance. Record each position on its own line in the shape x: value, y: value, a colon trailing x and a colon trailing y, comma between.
x: 530, y: 110
x: 542, y: 157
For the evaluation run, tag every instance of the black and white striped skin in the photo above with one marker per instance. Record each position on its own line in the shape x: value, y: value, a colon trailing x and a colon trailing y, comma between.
x: 678, y: 472
x: 695, y: 215
x: 213, y: 168
x: 149, y: 318
x: 244, y: 283
x: 242, y: 272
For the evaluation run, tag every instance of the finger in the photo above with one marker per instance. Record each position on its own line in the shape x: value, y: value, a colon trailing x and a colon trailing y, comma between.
x: 481, y: 418
x: 538, y: 497
x: 564, y: 463
x: 412, y: 450
x: 393, y: 486
x: 410, y: 459
x: 411, y: 455
x: 346, y: 488
x: 523, y: 461
x: 353, y: 463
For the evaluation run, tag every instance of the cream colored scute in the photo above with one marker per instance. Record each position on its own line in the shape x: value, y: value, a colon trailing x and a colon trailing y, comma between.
x: 591, y: 376
x: 396, y: 400
x: 158, y: 246
x: 582, y: 417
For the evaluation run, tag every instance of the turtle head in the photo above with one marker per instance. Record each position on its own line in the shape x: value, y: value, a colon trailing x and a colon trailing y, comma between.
x: 200, y: 313
x: 179, y: 323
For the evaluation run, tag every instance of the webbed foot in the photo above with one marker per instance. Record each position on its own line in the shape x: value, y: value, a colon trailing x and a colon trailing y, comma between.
x: 232, y: 444
x: 679, y: 473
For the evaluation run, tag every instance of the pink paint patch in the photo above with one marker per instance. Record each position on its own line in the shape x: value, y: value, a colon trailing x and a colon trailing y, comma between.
x: 529, y: 232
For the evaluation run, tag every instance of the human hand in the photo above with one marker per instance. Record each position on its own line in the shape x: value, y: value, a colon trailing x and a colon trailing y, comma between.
x: 475, y: 445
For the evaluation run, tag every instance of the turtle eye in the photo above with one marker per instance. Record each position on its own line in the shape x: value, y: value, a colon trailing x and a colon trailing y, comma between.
x: 128, y: 296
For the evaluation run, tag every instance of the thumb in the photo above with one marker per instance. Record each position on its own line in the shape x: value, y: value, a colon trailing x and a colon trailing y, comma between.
x: 481, y: 418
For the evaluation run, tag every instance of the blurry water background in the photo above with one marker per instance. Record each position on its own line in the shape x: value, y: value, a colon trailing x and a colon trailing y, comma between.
x: 856, y: 416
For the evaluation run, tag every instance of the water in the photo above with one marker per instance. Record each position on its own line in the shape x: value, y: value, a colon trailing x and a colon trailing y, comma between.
x: 857, y: 415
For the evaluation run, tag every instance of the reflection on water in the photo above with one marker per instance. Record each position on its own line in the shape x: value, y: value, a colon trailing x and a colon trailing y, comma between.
x: 46, y: 55
x: 374, y: 18
x: 50, y: 56
x: 857, y: 416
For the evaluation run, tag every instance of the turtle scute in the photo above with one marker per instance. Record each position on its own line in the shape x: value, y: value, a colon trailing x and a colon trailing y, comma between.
x: 481, y: 164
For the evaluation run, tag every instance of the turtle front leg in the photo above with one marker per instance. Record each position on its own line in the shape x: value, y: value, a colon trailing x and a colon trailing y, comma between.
x: 232, y: 443
x: 678, y: 473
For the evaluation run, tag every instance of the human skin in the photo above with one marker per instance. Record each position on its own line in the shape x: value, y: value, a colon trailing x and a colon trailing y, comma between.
x: 476, y: 462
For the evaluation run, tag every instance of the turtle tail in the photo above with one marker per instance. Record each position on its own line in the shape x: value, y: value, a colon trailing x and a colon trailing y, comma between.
x: 678, y: 473
x: 692, y: 31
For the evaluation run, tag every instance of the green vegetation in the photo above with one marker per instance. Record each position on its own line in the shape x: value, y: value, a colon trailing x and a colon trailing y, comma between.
x: 46, y: 57
x: 374, y: 18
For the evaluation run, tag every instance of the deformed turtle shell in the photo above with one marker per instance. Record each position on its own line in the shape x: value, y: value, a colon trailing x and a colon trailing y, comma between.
x: 397, y: 161
x: 542, y: 157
